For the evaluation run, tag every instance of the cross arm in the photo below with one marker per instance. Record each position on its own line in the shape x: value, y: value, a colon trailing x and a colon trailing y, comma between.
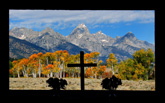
x: 79, y: 65
x: 89, y: 64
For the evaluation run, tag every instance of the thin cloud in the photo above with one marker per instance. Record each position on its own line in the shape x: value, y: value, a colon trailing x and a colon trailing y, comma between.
x: 66, y: 18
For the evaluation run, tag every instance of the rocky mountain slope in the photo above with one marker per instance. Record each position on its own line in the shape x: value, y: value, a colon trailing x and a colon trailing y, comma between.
x: 123, y: 47
x: 47, y: 39
x: 22, y: 49
x: 81, y: 39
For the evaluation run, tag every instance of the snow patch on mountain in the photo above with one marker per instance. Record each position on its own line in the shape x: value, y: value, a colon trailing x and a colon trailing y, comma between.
x: 80, y: 35
x: 104, y: 40
x: 81, y: 25
x: 22, y: 37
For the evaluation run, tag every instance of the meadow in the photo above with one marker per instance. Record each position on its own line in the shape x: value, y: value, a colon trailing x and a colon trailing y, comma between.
x: 74, y: 84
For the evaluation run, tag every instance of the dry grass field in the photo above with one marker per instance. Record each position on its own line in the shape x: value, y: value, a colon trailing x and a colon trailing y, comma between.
x: 74, y: 84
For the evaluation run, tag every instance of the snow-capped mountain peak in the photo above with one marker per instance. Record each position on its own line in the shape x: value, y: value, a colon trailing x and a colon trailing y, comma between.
x: 81, y: 26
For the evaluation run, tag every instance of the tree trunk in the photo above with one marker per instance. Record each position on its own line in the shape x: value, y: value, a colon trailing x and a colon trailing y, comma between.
x: 26, y: 75
x: 95, y: 75
x: 55, y: 75
x: 73, y: 74
x: 60, y: 74
x: 47, y: 75
x: 64, y: 73
x: 61, y: 71
x: 51, y: 74
x: 34, y: 75
x: 18, y: 74
x: 100, y: 76
x: 47, y: 60
x: 23, y: 73
x: 39, y: 74
x: 39, y: 69
x: 112, y: 69
x: 78, y: 75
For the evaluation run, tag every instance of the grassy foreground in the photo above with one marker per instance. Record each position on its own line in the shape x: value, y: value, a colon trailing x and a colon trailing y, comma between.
x: 74, y: 84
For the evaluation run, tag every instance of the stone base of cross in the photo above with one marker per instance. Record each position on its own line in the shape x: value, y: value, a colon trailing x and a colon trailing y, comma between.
x: 82, y: 65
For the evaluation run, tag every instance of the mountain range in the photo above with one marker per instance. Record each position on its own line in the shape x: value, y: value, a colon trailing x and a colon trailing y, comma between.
x: 22, y: 49
x: 80, y: 39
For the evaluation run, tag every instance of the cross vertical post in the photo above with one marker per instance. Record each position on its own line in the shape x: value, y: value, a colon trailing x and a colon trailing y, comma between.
x: 82, y: 65
x: 82, y: 69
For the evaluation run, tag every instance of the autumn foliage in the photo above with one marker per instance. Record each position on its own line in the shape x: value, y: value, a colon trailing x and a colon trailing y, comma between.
x: 55, y: 65
x: 139, y: 67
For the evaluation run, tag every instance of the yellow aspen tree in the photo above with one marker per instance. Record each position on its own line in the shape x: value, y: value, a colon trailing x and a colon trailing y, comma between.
x: 40, y: 65
x: 111, y: 61
x: 24, y: 66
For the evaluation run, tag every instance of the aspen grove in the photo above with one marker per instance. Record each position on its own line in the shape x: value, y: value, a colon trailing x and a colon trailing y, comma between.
x: 54, y: 65
x: 141, y: 66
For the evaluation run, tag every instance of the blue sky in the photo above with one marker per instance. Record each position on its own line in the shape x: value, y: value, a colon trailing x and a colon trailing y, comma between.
x: 110, y: 22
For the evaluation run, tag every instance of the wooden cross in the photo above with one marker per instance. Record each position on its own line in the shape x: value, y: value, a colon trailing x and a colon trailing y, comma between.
x: 82, y: 65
